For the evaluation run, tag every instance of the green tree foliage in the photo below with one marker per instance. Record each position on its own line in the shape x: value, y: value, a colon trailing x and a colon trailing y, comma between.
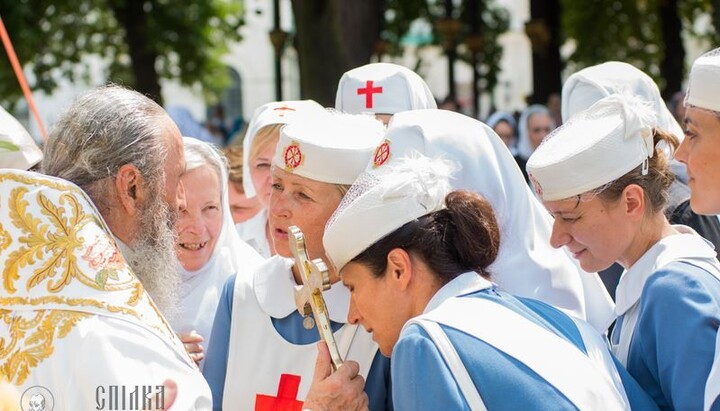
x: 603, y: 30
x: 143, y: 41
x: 632, y: 31
x: 694, y: 11
x: 493, y: 20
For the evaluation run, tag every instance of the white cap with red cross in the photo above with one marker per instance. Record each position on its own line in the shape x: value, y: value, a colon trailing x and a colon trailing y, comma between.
x: 382, y: 88
x: 328, y: 147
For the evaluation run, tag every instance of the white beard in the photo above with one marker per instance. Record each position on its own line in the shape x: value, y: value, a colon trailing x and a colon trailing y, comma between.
x: 152, y: 256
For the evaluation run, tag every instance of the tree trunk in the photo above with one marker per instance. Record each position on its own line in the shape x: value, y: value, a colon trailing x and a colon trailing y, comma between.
x: 547, y: 66
x: 672, y: 67
x: 332, y: 37
x: 133, y: 19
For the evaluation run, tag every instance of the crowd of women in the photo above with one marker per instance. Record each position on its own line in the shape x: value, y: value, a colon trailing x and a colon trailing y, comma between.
x: 463, y: 269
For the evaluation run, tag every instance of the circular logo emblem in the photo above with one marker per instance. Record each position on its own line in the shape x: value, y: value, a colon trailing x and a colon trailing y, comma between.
x: 382, y: 154
x: 293, y: 156
x: 536, y: 185
x: 37, y: 398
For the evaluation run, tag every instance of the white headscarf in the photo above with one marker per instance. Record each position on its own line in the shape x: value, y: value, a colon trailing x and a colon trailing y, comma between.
x: 526, y: 265
x: 524, y: 146
x: 277, y: 112
x: 17, y: 149
x: 589, y: 85
x: 202, y: 288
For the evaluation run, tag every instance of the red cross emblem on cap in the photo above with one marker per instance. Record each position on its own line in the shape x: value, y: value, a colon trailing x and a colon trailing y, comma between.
x: 293, y: 156
x: 283, y: 109
x: 536, y: 185
x: 369, y: 90
x: 286, y: 396
x: 382, y: 154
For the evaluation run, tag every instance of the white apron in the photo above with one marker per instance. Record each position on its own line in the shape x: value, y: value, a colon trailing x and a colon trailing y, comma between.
x: 261, y: 363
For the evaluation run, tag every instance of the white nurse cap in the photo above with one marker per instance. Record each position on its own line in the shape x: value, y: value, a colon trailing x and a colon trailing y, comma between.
x: 382, y: 88
x: 597, y: 146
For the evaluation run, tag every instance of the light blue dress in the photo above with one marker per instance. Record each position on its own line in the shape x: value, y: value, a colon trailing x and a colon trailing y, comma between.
x: 673, y: 346
x: 422, y: 380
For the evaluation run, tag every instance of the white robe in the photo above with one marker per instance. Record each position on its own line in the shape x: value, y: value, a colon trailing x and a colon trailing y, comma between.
x: 100, y: 352
x: 74, y: 316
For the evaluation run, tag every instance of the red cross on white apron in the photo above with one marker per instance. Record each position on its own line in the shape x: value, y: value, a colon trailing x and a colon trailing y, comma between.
x: 286, y: 396
x: 369, y: 90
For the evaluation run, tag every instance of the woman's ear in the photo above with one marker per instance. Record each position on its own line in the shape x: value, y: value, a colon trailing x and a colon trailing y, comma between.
x: 633, y: 198
x: 399, y: 268
x: 130, y: 188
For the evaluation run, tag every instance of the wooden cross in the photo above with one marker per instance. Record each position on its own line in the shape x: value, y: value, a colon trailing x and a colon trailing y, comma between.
x: 369, y: 90
x: 308, y: 297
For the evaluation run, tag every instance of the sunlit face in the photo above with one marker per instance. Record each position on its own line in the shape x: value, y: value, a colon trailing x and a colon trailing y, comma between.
x: 376, y: 305
x: 505, y: 132
x: 594, y: 232
x: 174, y: 166
x: 539, y: 126
x: 241, y: 207
x: 700, y: 152
x: 302, y: 202
x: 385, y: 118
x: 200, y: 221
x: 260, y: 172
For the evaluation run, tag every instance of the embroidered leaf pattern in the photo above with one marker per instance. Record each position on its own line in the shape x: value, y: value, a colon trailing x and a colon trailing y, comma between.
x: 8, y: 146
x: 55, y: 248
x: 47, y: 326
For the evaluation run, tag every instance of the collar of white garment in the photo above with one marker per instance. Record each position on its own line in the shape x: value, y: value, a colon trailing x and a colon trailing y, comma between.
x: 686, y: 246
x: 461, y: 285
x: 274, y: 287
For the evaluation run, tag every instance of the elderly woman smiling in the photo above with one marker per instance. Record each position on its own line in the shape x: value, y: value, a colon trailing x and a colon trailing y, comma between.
x: 208, y: 246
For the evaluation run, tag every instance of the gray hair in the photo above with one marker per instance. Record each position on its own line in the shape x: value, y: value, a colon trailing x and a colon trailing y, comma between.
x: 199, y: 153
x: 100, y: 132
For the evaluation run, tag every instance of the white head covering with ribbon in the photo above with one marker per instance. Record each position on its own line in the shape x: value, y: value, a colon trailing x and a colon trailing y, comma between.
x: 526, y: 265
x: 201, y: 289
x: 278, y: 112
x: 704, y: 86
x: 382, y: 88
x: 329, y: 147
x: 413, y: 187
x: 17, y: 149
x: 597, y: 146
x: 589, y: 85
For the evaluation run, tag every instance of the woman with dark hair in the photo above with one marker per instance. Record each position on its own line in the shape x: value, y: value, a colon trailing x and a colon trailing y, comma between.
x: 419, y: 281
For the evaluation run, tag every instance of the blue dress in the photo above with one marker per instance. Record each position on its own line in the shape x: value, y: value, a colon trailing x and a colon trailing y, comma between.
x: 673, y: 346
x: 423, y: 381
